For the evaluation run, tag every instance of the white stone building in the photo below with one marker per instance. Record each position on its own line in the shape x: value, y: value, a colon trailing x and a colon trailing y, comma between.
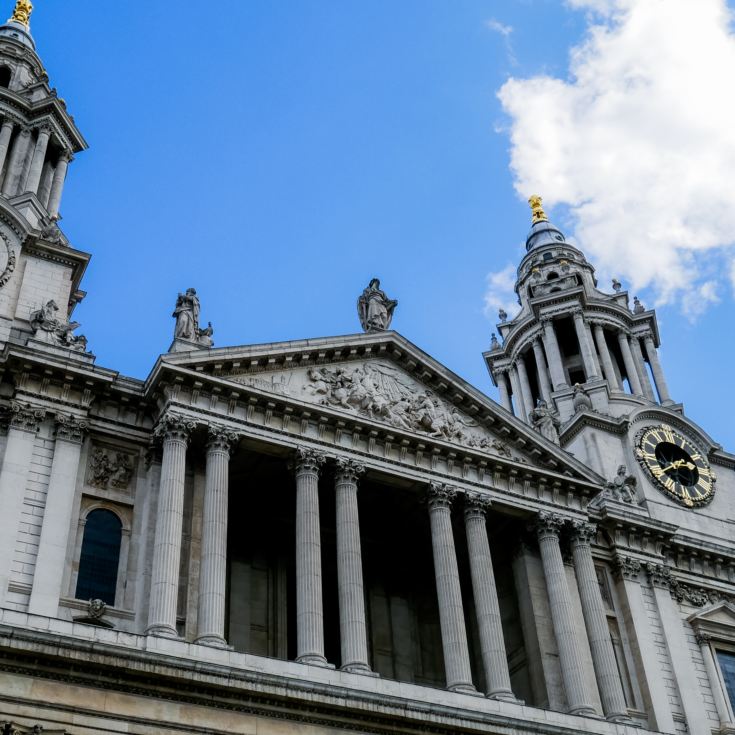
x: 190, y: 553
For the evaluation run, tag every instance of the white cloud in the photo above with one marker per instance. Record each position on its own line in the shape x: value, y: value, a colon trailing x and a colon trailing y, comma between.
x: 500, y: 293
x: 639, y: 143
x: 498, y: 27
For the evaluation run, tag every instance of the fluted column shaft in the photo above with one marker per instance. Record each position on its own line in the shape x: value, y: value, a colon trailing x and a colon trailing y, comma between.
x: 6, y: 131
x: 551, y: 346
x: 562, y: 615
x: 492, y: 643
x: 174, y: 431
x: 15, y: 165
x: 309, y: 609
x: 585, y: 347
x: 39, y: 156
x: 713, y: 675
x: 16, y: 464
x: 351, y: 590
x: 519, y: 405
x: 658, y: 373
x: 541, y: 369
x: 595, y: 620
x: 606, y: 358
x: 52, y: 545
x: 57, y: 185
x: 449, y: 593
x: 502, y: 377
x: 630, y: 369
x: 640, y: 365
x: 525, y: 385
x: 213, y: 570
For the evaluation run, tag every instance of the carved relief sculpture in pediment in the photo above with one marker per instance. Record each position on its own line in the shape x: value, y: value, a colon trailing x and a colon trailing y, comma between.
x: 109, y: 468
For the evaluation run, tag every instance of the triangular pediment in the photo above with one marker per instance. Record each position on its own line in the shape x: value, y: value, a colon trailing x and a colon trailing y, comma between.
x: 383, y: 380
x: 718, y: 615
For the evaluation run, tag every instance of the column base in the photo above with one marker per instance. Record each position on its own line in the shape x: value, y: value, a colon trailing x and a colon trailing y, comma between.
x: 619, y: 717
x: 356, y: 668
x: 503, y: 695
x: 213, y: 641
x: 314, y: 660
x: 727, y: 729
x: 162, y: 631
x: 584, y: 711
x: 465, y: 689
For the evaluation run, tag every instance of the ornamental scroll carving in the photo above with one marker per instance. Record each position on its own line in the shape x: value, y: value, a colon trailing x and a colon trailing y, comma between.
x: 7, y: 259
x: 109, y: 468
x: 380, y: 392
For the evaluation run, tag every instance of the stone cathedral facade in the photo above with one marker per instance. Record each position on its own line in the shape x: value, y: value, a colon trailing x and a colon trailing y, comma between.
x: 338, y: 533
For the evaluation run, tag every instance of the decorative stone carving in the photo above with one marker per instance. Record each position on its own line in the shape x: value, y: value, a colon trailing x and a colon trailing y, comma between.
x: 110, y: 469
x: 439, y: 495
x: 581, y: 401
x: 308, y: 460
x: 638, y: 307
x: 50, y: 231
x: 96, y: 610
x: 70, y: 428
x: 584, y: 532
x: 617, y: 286
x: 494, y: 344
x: 476, y: 504
x: 7, y: 259
x: 221, y: 438
x: 13, y: 728
x: 502, y: 315
x: 545, y: 421
x: 622, y: 487
x: 348, y: 470
x: 186, y: 314
x: 548, y: 524
x: 626, y: 567
x: 26, y: 418
x: 659, y: 575
x: 47, y: 327
x: 173, y: 426
x: 374, y: 308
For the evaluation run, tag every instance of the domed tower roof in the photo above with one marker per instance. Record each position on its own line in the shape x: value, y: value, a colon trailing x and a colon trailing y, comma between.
x: 542, y: 231
x: 18, y: 26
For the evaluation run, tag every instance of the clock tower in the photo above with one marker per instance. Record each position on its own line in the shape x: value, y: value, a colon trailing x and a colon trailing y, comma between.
x: 581, y: 365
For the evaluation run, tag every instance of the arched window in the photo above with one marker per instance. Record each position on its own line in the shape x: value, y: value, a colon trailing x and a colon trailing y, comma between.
x: 5, y: 75
x: 552, y: 276
x: 98, y: 563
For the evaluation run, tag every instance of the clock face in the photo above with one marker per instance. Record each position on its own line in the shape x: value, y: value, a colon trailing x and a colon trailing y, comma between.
x: 676, y: 466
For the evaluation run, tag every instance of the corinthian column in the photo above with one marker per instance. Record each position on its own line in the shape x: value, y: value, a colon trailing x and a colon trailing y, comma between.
x: 658, y: 373
x: 595, y: 620
x: 551, y: 346
x: 635, y: 345
x: 585, y: 347
x: 605, y: 357
x: 492, y: 643
x: 525, y: 385
x: 451, y: 612
x: 543, y: 373
x: 24, y: 422
x: 213, y: 574
x: 39, y: 156
x: 18, y: 155
x: 352, y: 621
x: 562, y: 614
x: 309, y: 611
x: 174, y: 431
x: 502, y: 377
x: 630, y: 369
x: 6, y: 132
x: 52, y: 545
x: 57, y: 184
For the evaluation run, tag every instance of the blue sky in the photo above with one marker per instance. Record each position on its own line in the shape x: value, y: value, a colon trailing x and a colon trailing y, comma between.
x: 276, y: 156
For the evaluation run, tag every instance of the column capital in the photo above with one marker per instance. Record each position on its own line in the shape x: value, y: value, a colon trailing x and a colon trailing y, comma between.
x: 24, y: 131
x: 577, y: 311
x: 703, y: 639
x: 220, y: 438
x: 625, y: 567
x: 659, y: 575
x: 44, y: 130
x: 476, y: 505
x: 171, y: 426
x: 583, y: 533
x: 66, y: 156
x: 70, y: 428
x: 439, y: 495
x: 348, y: 470
x: 546, y: 321
x: 308, y: 460
x: 549, y: 524
x: 25, y: 417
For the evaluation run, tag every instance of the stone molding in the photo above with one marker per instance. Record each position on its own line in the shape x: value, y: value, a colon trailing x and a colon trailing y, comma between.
x: 308, y: 460
x: 348, y: 470
x: 173, y: 427
x: 440, y: 495
x: 25, y: 417
x: 476, y: 505
x: 221, y: 439
x: 70, y: 428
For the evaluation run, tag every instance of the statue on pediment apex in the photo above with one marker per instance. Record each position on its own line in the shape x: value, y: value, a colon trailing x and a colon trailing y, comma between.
x: 374, y: 308
x: 187, y: 326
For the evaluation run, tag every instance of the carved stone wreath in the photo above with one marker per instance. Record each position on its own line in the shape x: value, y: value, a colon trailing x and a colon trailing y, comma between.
x: 7, y: 259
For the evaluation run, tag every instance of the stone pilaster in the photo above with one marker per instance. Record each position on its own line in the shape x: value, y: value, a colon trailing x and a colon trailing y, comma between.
x: 39, y: 156
x: 606, y: 358
x: 635, y: 345
x: 24, y: 422
x: 309, y: 611
x: 658, y: 373
x: 352, y: 618
x: 548, y: 528
x: 54, y: 539
x: 57, y: 184
x: 213, y: 574
x: 449, y: 593
x: 492, y: 643
x: 174, y: 431
x: 6, y: 131
x: 502, y: 377
x: 630, y: 368
x: 541, y: 369
x: 595, y: 620
x: 553, y: 353
x: 585, y: 348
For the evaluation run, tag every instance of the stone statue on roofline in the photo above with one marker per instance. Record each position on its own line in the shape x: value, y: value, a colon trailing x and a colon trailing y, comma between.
x: 47, y: 327
x: 545, y: 421
x: 187, y: 332
x: 375, y: 309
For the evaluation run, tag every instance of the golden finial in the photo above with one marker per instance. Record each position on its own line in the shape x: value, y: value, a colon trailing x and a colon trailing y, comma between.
x: 22, y: 13
x: 537, y: 211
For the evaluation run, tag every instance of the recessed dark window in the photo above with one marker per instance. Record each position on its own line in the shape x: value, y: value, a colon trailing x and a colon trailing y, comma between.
x: 100, y: 557
x: 5, y: 75
x: 548, y: 256
x: 726, y: 660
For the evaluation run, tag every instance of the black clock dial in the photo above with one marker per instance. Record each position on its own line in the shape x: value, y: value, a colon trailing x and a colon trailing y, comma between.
x: 675, y: 466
